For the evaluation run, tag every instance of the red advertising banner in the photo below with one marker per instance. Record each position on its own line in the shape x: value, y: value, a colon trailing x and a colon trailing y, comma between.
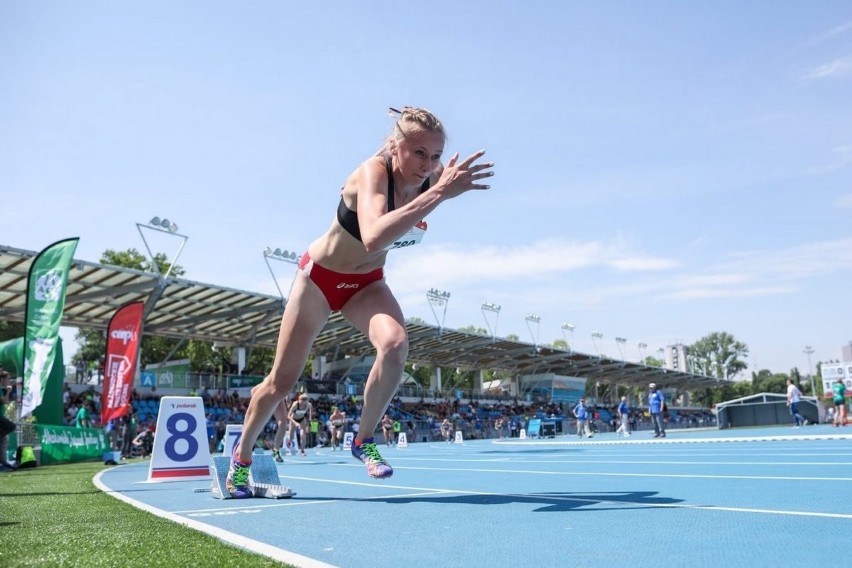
x: 120, y: 364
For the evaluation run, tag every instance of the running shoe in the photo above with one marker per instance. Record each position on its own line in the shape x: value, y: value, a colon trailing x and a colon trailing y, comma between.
x: 237, y: 482
x: 368, y: 453
x: 276, y: 455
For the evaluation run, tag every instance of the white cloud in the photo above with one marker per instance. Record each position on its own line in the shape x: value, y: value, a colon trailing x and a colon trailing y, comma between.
x: 836, y: 68
x: 836, y: 31
x: 566, y: 275
x: 535, y: 262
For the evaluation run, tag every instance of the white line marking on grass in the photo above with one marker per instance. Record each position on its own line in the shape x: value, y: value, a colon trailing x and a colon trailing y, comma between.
x: 237, y: 540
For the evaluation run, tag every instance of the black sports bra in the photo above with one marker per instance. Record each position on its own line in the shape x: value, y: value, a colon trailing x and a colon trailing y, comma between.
x: 348, y: 218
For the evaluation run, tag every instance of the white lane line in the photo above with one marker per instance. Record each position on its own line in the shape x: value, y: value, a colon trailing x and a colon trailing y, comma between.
x: 581, y: 460
x: 421, y: 491
x: 671, y: 440
x: 611, y: 474
x: 208, y: 511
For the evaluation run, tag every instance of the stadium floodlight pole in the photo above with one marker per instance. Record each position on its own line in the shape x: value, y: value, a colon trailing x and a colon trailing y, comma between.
x: 690, y: 364
x: 810, y: 351
x: 597, y: 335
x: 440, y: 299
x: 495, y: 309
x: 619, y: 341
x: 570, y: 328
x: 280, y: 255
x: 534, y: 319
x: 642, y: 347
x: 163, y: 226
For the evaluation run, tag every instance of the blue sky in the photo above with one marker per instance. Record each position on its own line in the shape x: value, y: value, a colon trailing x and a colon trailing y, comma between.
x: 663, y: 169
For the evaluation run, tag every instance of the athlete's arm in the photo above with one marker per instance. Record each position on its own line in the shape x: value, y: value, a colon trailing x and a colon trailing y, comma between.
x: 380, y: 228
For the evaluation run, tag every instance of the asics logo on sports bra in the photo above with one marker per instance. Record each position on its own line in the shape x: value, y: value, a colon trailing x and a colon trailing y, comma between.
x: 345, y: 285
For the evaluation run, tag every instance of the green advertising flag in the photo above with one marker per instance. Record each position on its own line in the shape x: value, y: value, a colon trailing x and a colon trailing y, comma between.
x: 45, y: 302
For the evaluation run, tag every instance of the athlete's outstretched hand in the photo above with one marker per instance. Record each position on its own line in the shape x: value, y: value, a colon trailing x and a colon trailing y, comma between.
x: 459, y: 177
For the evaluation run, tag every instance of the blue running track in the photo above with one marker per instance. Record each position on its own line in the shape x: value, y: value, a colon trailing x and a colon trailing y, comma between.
x: 754, y: 497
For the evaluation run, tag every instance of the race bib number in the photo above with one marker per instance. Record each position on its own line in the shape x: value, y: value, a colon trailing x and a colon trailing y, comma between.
x: 412, y: 237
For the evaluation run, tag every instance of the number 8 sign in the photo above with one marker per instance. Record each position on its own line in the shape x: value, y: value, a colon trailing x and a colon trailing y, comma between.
x: 180, y: 444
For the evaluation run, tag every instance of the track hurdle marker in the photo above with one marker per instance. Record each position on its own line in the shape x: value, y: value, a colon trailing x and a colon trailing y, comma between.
x: 232, y: 436
x: 181, y: 451
x: 459, y: 438
x: 402, y: 440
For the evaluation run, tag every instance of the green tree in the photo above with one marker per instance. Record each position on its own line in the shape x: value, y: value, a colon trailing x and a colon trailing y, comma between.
x: 474, y: 330
x: 92, y: 342
x: 132, y: 258
x: 422, y: 374
x: 11, y: 330
x: 722, y: 354
x: 766, y: 381
x: 259, y: 360
x: 560, y: 344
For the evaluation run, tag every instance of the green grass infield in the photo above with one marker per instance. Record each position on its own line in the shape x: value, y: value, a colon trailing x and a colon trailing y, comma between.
x: 54, y: 516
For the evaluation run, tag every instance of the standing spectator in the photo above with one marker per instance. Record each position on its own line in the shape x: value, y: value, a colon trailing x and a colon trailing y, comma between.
x: 794, y: 395
x: 514, y: 427
x: 839, y: 402
x: 581, y: 413
x: 397, y: 428
x: 83, y: 418
x: 128, y: 432
x: 656, y: 400
x: 623, y: 411
x: 409, y: 430
x: 6, y: 425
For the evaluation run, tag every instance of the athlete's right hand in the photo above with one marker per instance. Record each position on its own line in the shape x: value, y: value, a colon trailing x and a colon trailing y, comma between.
x: 459, y: 177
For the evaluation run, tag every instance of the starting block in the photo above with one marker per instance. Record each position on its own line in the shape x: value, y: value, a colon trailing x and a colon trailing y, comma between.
x: 264, y: 478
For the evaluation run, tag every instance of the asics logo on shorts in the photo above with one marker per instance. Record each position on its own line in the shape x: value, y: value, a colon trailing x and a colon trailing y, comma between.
x: 344, y: 285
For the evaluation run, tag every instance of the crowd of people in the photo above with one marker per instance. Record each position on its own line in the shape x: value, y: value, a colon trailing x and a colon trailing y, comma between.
x: 326, y: 418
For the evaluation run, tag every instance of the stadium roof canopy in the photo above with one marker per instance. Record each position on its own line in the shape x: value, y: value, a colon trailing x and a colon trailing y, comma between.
x: 186, y: 309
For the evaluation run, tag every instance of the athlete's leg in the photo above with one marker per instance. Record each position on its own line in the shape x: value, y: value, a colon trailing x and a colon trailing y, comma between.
x: 282, y: 423
x: 304, y: 317
x: 375, y: 312
x: 304, y: 432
